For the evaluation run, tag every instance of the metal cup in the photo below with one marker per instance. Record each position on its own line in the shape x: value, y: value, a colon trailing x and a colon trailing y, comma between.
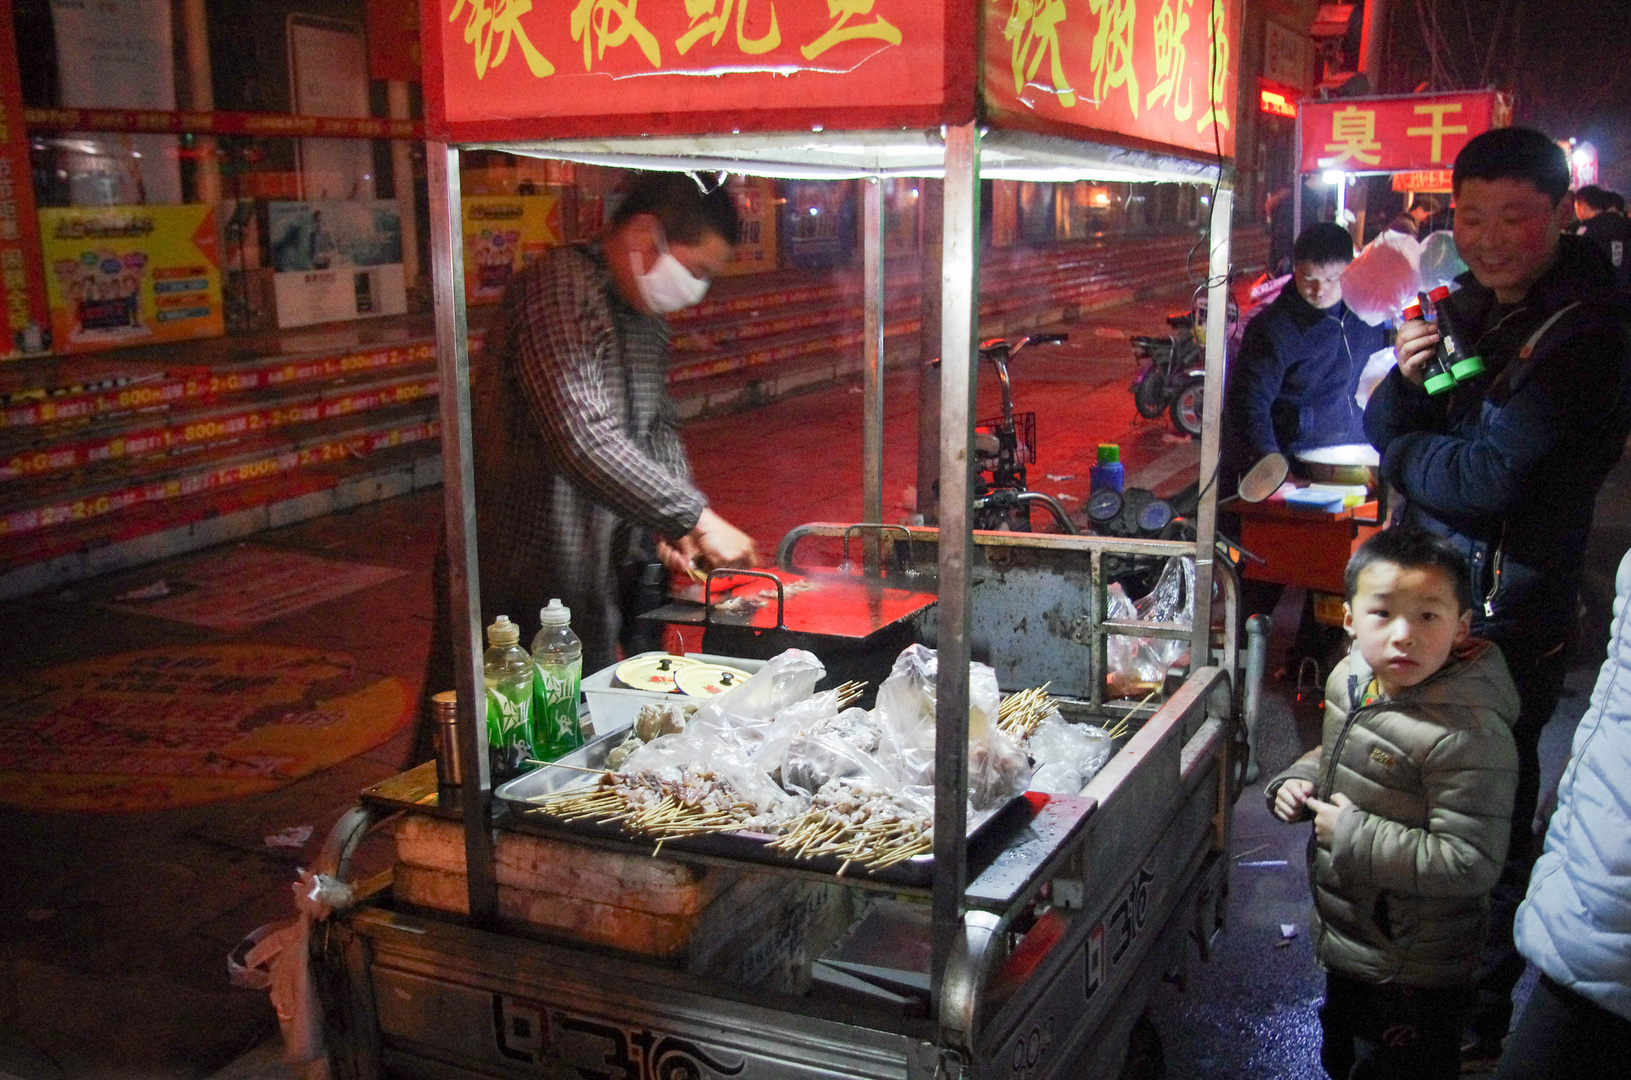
x: 449, y: 765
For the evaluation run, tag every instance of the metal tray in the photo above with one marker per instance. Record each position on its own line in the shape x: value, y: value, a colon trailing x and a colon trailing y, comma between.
x: 985, y: 842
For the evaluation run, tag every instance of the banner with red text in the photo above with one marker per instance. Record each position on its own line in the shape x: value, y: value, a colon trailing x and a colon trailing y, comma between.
x: 1159, y: 71
x: 1419, y: 132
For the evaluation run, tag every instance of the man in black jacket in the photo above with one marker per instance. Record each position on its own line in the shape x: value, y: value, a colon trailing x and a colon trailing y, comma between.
x: 1508, y: 465
x: 1291, y: 387
x: 1605, y: 225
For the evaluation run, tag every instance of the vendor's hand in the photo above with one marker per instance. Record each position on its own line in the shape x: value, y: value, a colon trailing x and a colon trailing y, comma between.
x: 1413, y: 346
x: 1290, y: 799
x: 1325, y: 817
x: 719, y: 543
x: 679, y: 556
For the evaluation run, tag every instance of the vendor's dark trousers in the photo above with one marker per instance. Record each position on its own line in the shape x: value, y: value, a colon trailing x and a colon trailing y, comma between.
x: 1563, y: 1036
x: 1539, y: 679
x: 1387, y: 1032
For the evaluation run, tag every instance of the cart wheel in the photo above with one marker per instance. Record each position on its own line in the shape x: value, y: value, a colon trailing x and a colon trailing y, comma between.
x: 1186, y: 407
x: 1144, y: 1060
x: 1150, y: 395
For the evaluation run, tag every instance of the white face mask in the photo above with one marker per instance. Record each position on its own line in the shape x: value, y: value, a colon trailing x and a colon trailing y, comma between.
x: 668, y: 286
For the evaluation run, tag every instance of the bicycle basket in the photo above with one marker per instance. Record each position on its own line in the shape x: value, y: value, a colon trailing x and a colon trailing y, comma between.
x: 1024, y: 434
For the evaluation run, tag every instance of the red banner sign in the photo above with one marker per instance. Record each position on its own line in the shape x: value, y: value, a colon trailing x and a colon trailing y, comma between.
x: 1158, y: 71
x: 574, y: 63
x: 393, y: 40
x: 1421, y: 132
x: 223, y: 123
x: 22, y: 266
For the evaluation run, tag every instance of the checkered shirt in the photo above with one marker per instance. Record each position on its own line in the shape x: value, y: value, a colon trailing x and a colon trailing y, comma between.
x: 577, y: 448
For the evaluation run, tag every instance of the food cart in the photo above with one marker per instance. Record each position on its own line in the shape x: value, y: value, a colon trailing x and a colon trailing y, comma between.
x: 1028, y: 949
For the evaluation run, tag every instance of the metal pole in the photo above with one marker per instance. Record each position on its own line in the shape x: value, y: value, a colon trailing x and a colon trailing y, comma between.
x: 459, y: 506
x: 1206, y: 519
x: 928, y: 378
x: 959, y: 285
x: 407, y: 199
x: 1297, y: 177
x: 872, y: 371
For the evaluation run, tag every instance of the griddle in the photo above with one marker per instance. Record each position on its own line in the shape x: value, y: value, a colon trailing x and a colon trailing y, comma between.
x: 856, y: 624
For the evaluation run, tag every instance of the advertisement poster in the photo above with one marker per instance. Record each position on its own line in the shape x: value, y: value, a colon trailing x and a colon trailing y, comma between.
x: 336, y: 260
x: 503, y: 233
x: 756, y: 204
x: 22, y: 278
x: 130, y: 275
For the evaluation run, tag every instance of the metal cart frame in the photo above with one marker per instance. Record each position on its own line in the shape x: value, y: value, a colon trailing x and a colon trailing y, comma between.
x: 1135, y: 868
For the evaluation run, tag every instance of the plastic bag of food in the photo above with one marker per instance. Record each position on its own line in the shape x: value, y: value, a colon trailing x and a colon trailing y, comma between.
x: 1061, y: 750
x: 1171, y: 601
x: 998, y: 768
x: 1134, y: 667
x: 667, y: 757
x: 743, y: 715
x: 799, y: 718
x: 839, y: 749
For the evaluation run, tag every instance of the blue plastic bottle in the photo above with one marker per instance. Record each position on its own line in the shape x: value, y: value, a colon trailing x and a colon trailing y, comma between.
x: 1108, y: 472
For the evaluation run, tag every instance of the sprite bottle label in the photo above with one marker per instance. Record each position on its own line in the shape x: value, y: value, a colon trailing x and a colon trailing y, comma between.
x: 555, y: 726
x: 509, y: 725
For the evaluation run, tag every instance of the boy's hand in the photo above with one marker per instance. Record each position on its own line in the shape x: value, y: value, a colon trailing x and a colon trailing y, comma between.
x: 1325, y: 817
x: 1291, y: 798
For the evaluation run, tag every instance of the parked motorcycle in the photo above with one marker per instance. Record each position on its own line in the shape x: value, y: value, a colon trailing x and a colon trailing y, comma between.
x: 1172, y: 373
x: 1003, y: 446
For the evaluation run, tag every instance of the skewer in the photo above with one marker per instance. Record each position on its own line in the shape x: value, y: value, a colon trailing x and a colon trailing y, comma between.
x: 563, y: 765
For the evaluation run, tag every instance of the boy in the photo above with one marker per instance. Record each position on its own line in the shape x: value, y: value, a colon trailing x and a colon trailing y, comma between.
x: 1411, y: 795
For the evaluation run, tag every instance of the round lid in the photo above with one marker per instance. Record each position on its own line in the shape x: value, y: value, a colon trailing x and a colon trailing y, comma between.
x: 1439, y: 293
x: 503, y: 632
x: 444, y: 703
x: 705, y: 680
x: 1109, y: 452
x: 1264, y: 478
x: 556, y: 614
x: 1103, y: 505
x: 1412, y: 310
x: 654, y: 672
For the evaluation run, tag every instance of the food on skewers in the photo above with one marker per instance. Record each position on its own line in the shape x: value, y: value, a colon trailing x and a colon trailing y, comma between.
x: 856, y: 821
x: 652, y: 721
x: 664, y: 803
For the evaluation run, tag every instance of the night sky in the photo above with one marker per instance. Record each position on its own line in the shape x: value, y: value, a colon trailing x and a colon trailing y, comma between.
x: 1568, y: 62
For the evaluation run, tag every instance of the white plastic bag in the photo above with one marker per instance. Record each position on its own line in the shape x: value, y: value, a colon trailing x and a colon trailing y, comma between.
x: 1378, y: 284
x: 1066, y: 753
x: 1440, y: 260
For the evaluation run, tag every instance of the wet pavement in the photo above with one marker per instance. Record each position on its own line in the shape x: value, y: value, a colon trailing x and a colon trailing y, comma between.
x: 113, y: 942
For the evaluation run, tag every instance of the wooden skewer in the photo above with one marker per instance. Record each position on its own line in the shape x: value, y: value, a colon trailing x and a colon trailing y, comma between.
x: 563, y: 765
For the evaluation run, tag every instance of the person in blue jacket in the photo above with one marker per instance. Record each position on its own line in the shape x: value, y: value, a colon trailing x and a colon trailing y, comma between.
x: 1508, y: 465
x: 1575, y: 924
x: 1291, y: 386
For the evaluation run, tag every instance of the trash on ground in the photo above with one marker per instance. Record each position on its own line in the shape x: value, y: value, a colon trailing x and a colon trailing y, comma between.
x: 295, y: 836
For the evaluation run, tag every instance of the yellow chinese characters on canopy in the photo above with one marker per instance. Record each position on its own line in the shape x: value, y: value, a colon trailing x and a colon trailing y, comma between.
x: 490, y: 23
x: 606, y: 24
x: 1436, y: 129
x: 711, y: 17
x: 1111, y: 60
x: 1353, y: 139
x: 1033, y: 31
x: 841, y: 12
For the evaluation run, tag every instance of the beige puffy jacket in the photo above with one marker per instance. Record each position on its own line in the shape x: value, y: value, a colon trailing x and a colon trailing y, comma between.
x: 1402, y: 894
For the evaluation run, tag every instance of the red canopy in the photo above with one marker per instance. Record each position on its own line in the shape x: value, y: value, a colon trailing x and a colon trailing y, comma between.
x: 1149, y: 74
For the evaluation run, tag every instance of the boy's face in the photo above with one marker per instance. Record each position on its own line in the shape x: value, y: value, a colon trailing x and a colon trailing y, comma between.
x: 1507, y: 231
x: 1405, y: 620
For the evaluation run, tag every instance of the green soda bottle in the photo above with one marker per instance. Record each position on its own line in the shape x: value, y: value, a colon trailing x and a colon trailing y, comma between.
x: 557, y: 664
x: 507, y: 671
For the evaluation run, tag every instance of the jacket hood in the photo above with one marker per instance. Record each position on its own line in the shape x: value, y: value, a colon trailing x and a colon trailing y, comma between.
x: 1475, y: 675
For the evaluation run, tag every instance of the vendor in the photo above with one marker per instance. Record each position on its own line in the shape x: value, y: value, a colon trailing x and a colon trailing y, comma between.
x: 1292, y: 385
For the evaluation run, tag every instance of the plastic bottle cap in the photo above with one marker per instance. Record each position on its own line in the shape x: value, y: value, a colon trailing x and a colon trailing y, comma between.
x: 1470, y: 368
x: 1438, y: 384
x: 1109, y: 453
x: 1412, y: 310
x: 556, y: 614
x: 1440, y: 293
x: 503, y: 632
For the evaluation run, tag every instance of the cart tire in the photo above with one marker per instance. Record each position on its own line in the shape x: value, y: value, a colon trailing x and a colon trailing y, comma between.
x: 1144, y: 1060
x: 1186, y: 407
x: 1150, y: 395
